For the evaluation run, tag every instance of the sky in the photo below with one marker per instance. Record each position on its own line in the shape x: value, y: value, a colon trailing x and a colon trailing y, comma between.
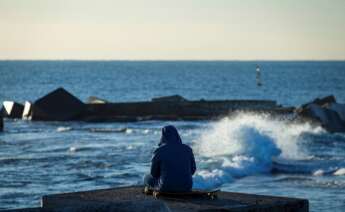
x: 172, y: 30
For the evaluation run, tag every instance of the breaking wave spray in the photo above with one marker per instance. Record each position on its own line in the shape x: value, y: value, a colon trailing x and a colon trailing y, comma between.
x: 245, y: 144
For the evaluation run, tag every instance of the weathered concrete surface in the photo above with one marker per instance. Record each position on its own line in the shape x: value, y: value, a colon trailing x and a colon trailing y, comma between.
x: 91, y: 206
x: 226, y: 201
x: 59, y: 105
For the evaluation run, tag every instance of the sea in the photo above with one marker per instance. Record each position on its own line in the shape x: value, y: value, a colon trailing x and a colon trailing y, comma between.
x: 248, y: 152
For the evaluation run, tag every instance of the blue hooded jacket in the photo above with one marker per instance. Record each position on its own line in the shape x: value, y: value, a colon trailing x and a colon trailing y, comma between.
x: 173, y: 163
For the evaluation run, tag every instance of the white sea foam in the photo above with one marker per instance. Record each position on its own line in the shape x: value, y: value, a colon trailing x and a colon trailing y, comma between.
x: 339, y: 172
x: 319, y: 172
x: 63, y: 129
x: 72, y: 149
x: 129, y: 131
x: 130, y: 147
x: 244, y: 145
x: 108, y: 130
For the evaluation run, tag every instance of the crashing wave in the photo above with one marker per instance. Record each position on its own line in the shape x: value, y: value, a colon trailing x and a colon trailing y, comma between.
x: 246, y: 144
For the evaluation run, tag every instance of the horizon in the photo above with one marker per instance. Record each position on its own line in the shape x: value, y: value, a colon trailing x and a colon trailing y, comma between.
x: 255, y: 30
x: 166, y: 60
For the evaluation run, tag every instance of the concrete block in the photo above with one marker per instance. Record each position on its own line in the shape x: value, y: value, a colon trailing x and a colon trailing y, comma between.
x: 91, y: 206
x: 27, y: 112
x: 12, y: 109
x: 126, y: 196
x: 59, y: 105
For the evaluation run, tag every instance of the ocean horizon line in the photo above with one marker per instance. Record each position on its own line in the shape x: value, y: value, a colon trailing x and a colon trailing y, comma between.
x: 171, y: 60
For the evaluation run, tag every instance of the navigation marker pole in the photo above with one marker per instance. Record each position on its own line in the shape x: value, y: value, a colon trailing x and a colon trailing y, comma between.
x: 258, y: 76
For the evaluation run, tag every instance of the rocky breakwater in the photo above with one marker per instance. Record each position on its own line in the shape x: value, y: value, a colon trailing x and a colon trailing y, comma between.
x: 61, y: 105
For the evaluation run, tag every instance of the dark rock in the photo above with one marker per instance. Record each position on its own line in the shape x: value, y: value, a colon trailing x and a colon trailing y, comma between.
x: 96, y: 100
x: 174, y: 98
x: 339, y: 108
x: 59, y: 105
x: 326, y: 112
x: 325, y: 100
x: 12, y: 109
x: 321, y: 102
x: 329, y: 119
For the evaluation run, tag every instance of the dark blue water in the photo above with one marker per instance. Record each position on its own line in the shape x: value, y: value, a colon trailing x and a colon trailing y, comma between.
x: 247, y: 153
x: 289, y: 83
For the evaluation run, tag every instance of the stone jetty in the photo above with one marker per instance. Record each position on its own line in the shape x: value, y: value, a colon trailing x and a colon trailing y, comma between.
x: 133, y: 199
x: 177, y: 110
x: 61, y: 105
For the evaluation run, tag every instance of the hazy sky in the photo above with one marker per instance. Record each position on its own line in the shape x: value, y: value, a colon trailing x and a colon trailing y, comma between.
x: 174, y: 29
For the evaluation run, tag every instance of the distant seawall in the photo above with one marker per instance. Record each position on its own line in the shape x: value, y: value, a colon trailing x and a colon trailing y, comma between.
x: 60, y: 105
x: 184, y: 110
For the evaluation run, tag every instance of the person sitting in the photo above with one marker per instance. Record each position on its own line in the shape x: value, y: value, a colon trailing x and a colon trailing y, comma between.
x: 172, y: 164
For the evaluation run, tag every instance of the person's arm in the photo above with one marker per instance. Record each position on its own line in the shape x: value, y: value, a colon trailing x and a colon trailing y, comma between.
x: 193, y: 165
x: 155, y: 167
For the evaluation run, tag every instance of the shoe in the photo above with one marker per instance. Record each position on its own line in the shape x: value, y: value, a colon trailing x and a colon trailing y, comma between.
x: 148, y: 190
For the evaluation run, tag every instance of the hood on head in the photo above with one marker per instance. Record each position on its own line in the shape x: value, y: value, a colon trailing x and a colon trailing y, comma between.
x: 170, y: 136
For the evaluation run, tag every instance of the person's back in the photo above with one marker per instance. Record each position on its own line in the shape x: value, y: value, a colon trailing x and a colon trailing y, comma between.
x: 173, y: 164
